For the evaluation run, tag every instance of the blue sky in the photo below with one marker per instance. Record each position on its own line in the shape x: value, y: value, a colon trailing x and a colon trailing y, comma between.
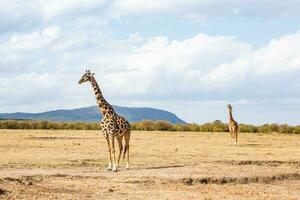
x: 191, y: 57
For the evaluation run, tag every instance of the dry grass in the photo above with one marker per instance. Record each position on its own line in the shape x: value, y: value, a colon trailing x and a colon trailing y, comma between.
x: 36, y: 164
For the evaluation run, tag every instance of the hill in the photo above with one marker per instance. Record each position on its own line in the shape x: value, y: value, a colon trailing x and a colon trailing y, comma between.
x: 92, y: 114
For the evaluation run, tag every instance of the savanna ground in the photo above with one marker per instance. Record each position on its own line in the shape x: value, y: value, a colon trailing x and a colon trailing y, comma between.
x: 45, y: 164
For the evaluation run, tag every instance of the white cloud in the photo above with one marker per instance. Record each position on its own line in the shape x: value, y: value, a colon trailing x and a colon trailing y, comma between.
x: 47, y: 9
x: 12, y: 10
x: 30, y: 12
x: 22, y: 51
x: 204, y: 9
x: 162, y: 65
x: 203, y: 66
x: 192, y: 9
x: 201, y: 63
x: 32, y: 41
x: 281, y: 55
x: 29, y: 88
x: 55, y: 8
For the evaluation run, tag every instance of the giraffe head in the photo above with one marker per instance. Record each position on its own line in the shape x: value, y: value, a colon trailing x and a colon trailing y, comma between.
x: 87, y: 76
x: 229, y: 107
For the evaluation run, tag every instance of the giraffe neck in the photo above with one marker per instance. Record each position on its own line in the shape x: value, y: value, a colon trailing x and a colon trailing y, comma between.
x: 230, y: 115
x: 102, y: 104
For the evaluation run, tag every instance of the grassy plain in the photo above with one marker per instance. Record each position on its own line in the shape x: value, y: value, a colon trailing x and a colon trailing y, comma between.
x: 46, y: 164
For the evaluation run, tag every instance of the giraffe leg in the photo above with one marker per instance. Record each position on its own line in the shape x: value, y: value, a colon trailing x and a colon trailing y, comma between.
x: 120, y: 149
x: 127, y: 139
x: 230, y: 140
x: 109, y: 154
x: 236, y: 138
x: 114, y: 166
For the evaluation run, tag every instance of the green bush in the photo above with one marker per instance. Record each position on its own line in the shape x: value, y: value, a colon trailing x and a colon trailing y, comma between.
x: 264, y: 128
x: 195, y: 127
x: 284, y: 128
x: 146, y: 125
x: 244, y: 128
x: 163, y: 125
x: 296, y: 130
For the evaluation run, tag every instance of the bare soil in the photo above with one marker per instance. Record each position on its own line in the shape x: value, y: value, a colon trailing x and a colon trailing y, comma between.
x: 45, y: 164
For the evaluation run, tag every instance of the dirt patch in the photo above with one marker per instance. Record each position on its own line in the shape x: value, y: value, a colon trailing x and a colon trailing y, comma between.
x: 241, y: 180
x: 55, y: 138
x: 85, y: 162
x: 3, y: 192
x: 141, y: 181
x: 74, y: 176
x: 24, y: 180
x: 164, y: 167
x: 13, y: 180
x: 34, y: 178
x: 255, y: 145
x: 273, y: 163
x: 58, y: 175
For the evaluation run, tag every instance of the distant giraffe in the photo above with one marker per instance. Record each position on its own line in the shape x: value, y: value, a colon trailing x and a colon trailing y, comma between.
x: 233, y: 126
x: 112, y: 125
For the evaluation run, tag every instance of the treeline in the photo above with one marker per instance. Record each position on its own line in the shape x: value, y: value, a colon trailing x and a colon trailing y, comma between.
x: 148, y: 125
x: 27, y: 124
x: 216, y: 126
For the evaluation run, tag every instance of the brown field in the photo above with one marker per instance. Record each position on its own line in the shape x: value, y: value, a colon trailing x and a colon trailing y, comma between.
x: 45, y: 164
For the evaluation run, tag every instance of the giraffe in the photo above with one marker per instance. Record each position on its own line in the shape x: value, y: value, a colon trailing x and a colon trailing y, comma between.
x: 113, y: 126
x: 233, y: 126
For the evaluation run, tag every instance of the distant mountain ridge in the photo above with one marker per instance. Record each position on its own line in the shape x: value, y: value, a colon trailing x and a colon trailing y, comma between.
x: 92, y: 114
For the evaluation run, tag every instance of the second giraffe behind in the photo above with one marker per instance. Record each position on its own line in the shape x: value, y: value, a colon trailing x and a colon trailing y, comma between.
x: 233, y: 127
x: 112, y: 125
